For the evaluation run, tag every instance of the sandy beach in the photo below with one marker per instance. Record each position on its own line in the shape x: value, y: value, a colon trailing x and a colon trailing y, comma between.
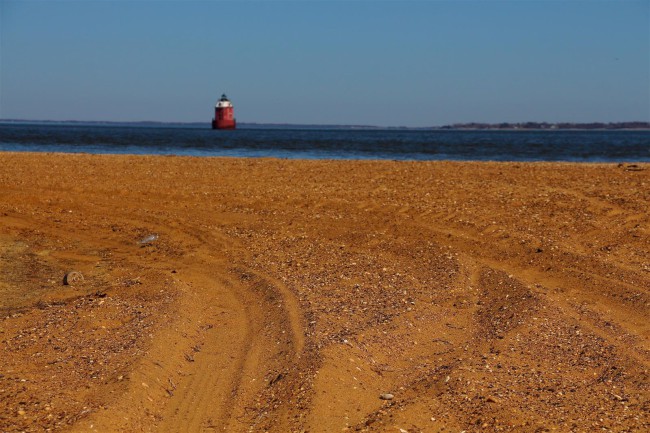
x: 238, y: 295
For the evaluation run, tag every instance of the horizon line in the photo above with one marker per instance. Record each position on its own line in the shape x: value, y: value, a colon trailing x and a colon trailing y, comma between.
x: 641, y: 123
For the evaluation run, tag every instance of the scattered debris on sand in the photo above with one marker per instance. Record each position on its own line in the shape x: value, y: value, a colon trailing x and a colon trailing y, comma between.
x: 321, y: 296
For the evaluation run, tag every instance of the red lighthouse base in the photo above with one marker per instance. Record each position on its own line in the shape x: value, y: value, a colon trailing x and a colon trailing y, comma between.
x: 224, y: 124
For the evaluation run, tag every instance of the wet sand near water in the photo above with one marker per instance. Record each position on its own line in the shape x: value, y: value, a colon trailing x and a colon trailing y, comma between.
x: 225, y: 294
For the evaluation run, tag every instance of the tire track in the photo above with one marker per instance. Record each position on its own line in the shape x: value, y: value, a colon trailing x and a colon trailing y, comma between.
x: 236, y: 331
x: 566, y: 290
x: 204, y: 398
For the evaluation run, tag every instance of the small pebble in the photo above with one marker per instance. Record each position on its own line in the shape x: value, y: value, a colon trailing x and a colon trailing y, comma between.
x: 386, y: 396
x: 72, y: 278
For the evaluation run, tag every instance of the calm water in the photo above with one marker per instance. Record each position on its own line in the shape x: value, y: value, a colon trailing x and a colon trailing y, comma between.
x: 588, y: 146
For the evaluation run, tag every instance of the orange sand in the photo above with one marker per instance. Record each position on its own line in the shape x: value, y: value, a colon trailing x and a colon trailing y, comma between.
x: 289, y: 295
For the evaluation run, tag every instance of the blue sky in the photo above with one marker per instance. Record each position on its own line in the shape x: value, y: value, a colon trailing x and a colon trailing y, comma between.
x: 387, y: 63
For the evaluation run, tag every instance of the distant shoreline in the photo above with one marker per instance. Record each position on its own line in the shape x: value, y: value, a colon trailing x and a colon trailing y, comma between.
x: 525, y: 126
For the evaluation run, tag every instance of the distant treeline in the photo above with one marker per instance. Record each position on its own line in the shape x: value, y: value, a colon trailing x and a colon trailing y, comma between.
x: 545, y: 125
x: 455, y: 126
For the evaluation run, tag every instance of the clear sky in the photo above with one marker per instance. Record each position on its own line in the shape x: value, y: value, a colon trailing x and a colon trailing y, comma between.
x: 386, y: 63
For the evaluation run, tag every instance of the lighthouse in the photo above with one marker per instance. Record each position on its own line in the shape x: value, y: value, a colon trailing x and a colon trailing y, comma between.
x: 224, y: 115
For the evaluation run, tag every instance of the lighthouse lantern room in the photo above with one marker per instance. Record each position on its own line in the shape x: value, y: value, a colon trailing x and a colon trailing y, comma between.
x: 224, y: 115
